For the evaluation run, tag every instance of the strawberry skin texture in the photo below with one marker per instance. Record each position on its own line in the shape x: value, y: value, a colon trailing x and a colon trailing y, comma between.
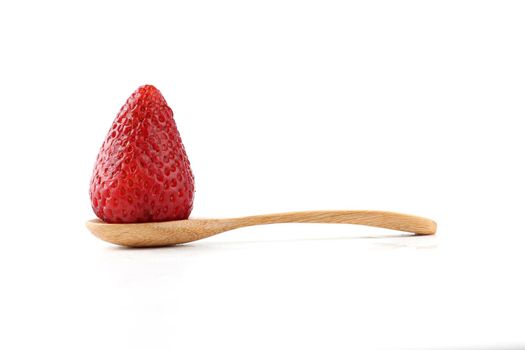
x: 142, y: 172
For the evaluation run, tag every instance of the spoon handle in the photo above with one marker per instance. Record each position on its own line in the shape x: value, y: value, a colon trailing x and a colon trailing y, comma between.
x: 383, y: 219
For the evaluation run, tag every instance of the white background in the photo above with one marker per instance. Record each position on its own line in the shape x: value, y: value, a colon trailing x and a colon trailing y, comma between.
x: 411, y: 106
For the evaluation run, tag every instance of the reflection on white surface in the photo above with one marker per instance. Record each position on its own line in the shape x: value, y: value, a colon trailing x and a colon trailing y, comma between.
x: 369, y: 291
x: 289, y: 286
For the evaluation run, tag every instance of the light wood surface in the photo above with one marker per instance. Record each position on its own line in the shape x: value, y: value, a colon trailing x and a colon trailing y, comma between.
x: 155, y: 234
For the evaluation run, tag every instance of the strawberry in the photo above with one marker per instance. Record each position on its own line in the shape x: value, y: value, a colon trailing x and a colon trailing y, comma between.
x: 142, y: 172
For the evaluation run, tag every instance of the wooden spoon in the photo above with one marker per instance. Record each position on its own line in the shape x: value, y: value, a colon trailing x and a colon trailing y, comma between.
x: 157, y: 234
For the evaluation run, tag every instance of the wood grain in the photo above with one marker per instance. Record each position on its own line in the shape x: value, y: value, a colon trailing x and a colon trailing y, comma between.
x: 154, y: 234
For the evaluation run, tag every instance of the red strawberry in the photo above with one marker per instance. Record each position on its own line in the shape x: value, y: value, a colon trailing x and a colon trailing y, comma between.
x: 142, y: 172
